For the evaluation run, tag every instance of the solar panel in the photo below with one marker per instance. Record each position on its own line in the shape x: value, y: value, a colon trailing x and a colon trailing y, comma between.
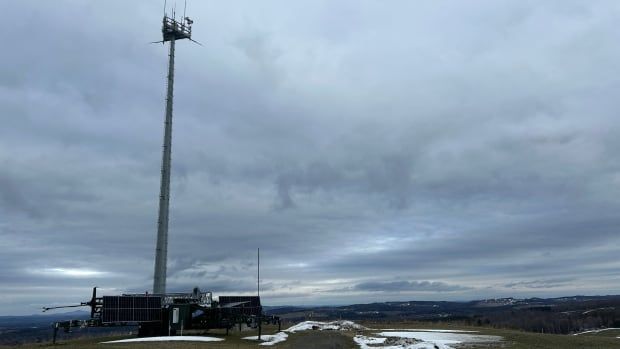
x: 131, y: 309
x: 240, y: 305
x: 249, y: 301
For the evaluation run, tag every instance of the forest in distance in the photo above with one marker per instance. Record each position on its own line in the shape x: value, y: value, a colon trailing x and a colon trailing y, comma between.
x: 563, y: 315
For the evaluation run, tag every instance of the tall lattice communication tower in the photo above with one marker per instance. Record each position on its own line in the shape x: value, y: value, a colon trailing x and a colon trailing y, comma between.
x: 172, y: 30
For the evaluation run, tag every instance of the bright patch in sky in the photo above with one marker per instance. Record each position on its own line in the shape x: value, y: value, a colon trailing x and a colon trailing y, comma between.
x: 297, y: 265
x: 70, y: 272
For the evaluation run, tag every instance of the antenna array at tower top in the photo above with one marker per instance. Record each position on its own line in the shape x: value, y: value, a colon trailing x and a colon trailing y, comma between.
x: 173, y: 29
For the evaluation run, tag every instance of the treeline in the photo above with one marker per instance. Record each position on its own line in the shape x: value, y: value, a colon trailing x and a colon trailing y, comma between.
x: 551, y: 319
x: 554, y: 315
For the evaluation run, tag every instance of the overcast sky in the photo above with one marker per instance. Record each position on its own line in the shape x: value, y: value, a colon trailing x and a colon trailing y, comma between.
x: 373, y: 150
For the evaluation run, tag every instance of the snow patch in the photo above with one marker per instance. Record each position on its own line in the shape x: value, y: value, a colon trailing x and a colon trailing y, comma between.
x: 425, y: 330
x: 168, y: 339
x: 421, y: 339
x: 270, y: 339
x: 361, y: 340
x: 340, y: 325
x: 597, y: 331
x: 443, y: 338
x: 394, y: 343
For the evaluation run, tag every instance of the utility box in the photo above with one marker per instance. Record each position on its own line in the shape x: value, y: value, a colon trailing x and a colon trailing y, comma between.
x: 180, y: 317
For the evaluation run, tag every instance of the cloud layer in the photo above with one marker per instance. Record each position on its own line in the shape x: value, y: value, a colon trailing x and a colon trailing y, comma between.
x: 373, y: 151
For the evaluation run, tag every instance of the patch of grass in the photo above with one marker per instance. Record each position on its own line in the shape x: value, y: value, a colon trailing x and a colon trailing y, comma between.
x: 522, y: 340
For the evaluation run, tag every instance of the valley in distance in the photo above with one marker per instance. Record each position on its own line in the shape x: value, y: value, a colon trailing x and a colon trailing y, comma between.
x: 566, y: 322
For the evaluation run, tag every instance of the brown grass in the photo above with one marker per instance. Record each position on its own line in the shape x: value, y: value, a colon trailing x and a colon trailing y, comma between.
x: 336, y: 340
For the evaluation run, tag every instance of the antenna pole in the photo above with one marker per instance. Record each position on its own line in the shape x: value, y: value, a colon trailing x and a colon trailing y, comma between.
x: 258, y: 273
x: 260, y: 319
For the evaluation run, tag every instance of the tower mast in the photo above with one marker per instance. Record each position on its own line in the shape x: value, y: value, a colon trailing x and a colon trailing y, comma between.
x: 172, y: 30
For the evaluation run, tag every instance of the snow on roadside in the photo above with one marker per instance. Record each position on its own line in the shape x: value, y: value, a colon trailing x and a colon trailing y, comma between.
x: 421, y: 339
x: 400, y: 338
x: 270, y: 339
x: 395, y: 343
x: 597, y: 331
x: 340, y: 325
x: 168, y: 339
x: 441, y: 337
x: 424, y: 330
x: 361, y: 340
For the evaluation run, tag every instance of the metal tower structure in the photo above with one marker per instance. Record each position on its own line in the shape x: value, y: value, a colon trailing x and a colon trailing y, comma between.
x: 172, y: 30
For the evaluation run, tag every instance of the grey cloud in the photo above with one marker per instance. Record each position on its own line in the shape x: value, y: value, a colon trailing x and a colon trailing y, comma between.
x: 536, y: 284
x: 12, y: 197
x: 284, y: 193
x: 397, y: 286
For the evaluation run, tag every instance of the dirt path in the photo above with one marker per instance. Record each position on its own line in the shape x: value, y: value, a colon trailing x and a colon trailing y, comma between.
x: 318, y: 339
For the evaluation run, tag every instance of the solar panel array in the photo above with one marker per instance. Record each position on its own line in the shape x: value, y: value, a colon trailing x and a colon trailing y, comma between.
x: 250, y: 301
x: 131, y: 309
x: 232, y: 306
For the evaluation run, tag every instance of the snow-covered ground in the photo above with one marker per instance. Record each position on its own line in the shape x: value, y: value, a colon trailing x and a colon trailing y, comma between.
x: 363, y: 341
x: 421, y: 339
x: 340, y: 325
x: 270, y: 339
x: 398, y: 338
x: 169, y: 339
x: 425, y: 330
x: 401, y: 343
x: 596, y: 331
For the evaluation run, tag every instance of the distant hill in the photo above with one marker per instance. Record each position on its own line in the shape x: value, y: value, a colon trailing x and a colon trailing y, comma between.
x: 39, y: 319
x: 15, y: 330
x: 551, y: 315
